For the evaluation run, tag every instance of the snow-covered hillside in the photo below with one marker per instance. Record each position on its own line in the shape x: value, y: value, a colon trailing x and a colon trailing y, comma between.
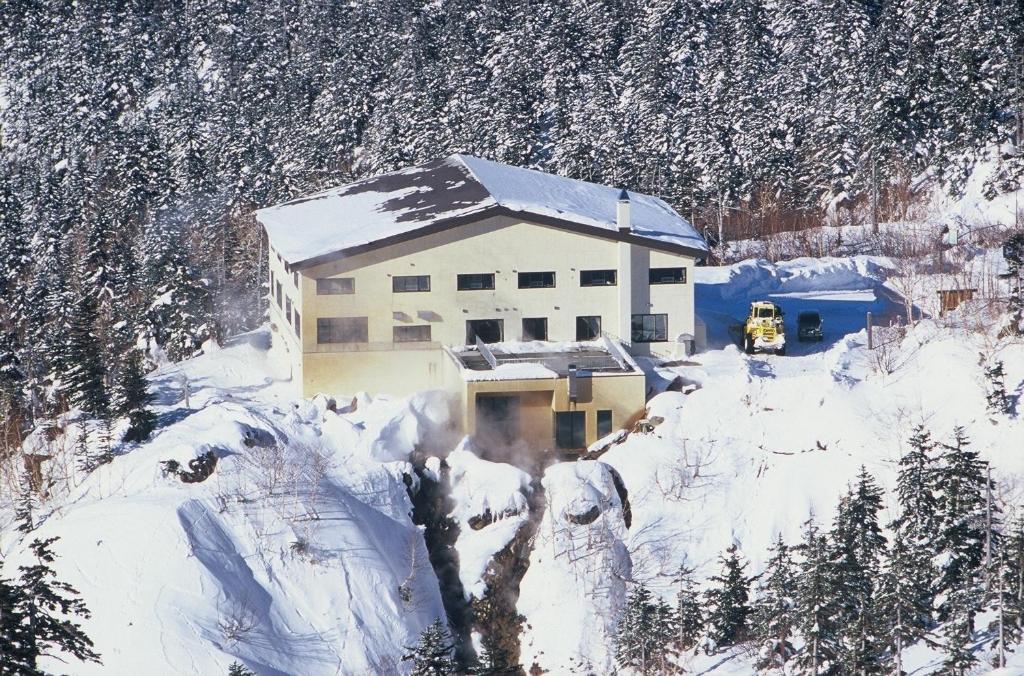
x: 299, y: 554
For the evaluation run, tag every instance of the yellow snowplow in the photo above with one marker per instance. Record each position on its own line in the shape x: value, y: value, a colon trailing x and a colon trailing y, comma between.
x: 764, y: 330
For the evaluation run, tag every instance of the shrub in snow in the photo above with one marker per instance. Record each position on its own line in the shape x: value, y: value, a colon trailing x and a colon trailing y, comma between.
x: 997, y: 400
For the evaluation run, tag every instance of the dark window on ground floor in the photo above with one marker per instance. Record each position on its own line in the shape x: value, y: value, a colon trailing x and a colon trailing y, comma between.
x: 476, y: 282
x: 412, y: 334
x: 342, y: 330
x: 570, y: 430
x: 650, y: 328
x: 488, y: 330
x: 535, y: 328
x: 604, y: 423
x: 588, y: 328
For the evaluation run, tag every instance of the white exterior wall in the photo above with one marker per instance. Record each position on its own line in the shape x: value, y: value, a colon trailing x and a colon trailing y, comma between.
x: 498, y: 245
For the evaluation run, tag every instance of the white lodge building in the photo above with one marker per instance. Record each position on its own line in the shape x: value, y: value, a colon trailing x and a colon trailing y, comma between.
x: 524, y: 294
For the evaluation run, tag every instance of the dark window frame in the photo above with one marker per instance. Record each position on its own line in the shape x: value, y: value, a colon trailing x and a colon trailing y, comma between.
x: 329, y: 286
x: 605, y: 420
x: 608, y: 277
x: 588, y: 323
x: 279, y: 294
x: 395, y: 331
x: 570, y: 430
x: 471, y: 336
x: 537, y: 280
x: 532, y: 335
x: 326, y: 327
x: 667, y: 275
x: 298, y: 325
x: 400, y: 284
x: 288, y: 309
x: 639, y: 334
x: 462, y: 281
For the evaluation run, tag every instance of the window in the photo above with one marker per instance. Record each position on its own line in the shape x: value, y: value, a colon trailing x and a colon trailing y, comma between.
x: 271, y: 279
x: 488, y: 330
x: 295, y: 278
x: 536, y: 280
x: 598, y: 278
x: 334, y: 286
x: 476, y: 282
x: 412, y: 334
x: 588, y: 328
x: 298, y: 325
x: 650, y: 328
x: 570, y: 429
x: 604, y: 423
x: 410, y: 283
x: 535, y: 328
x: 277, y: 289
x: 288, y: 309
x: 668, y: 276
x: 341, y: 330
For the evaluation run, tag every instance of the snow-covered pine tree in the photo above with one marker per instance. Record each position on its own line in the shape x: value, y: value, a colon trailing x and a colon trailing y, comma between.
x: 996, y: 398
x: 728, y: 601
x: 958, y: 630
x: 239, y: 669
x: 85, y: 378
x: 857, y: 547
x: 904, y: 596
x: 433, y: 655
x: 644, y: 632
x: 27, y: 503
x: 1013, y: 579
x: 917, y: 490
x: 774, y: 612
x: 47, y: 605
x: 965, y: 527
x: 816, y: 603
x: 689, y: 611
x: 494, y: 659
x: 1014, y: 251
x: 133, y: 399
x: 15, y: 633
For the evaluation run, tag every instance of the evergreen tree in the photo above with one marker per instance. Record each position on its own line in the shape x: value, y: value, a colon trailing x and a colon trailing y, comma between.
x: 1012, y: 558
x: 774, y: 612
x: 997, y: 401
x: 38, y: 612
x: 963, y: 530
x: 904, y: 596
x: 817, y: 604
x: 728, y: 601
x: 958, y: 631
x: 134, y: 399
x: 26, y: 506
x: 238, y: 669
x: 433, y: 654
x: 645, y: 630
x: 857, y: 549
x: 689, y: 611
x: 494, y: 659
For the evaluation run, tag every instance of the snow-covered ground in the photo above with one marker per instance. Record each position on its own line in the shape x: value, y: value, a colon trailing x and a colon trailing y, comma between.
x: 299, y: 554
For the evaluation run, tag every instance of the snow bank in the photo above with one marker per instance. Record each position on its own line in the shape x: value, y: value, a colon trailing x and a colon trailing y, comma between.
x: 576, y: 583
x: 296, y: 556
x: 491, y: 505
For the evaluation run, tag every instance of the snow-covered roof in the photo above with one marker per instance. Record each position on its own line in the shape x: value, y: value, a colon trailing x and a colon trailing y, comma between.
x: 455, y: 190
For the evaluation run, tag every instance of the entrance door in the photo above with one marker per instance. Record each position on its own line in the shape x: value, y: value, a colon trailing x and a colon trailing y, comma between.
x: 497, y: 418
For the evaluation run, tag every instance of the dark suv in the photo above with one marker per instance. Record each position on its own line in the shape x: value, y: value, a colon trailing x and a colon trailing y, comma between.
x: 808, y: 326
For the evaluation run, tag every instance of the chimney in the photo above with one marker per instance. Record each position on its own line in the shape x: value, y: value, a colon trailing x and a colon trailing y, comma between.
x: 622, y: 213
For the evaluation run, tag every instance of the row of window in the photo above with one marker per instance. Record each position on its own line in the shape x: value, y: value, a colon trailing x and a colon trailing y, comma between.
x: 645, y: 328
x: 571, y: 428
x: 485, y: 281
x: 291, y: 315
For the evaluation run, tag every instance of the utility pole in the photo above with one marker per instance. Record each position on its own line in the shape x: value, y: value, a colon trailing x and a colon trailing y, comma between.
x: 1002, y: 633
x: 871, y: 334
